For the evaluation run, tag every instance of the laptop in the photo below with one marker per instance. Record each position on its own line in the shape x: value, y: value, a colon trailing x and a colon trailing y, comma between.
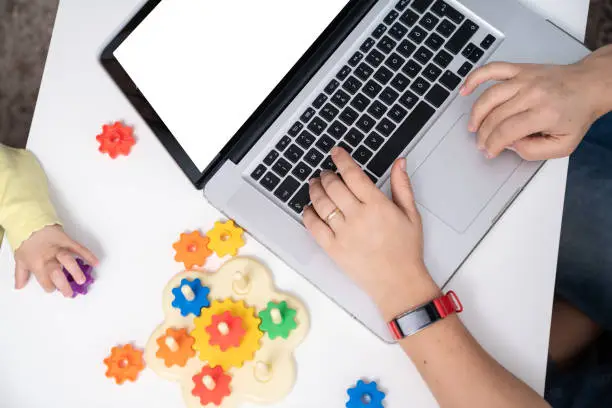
x: 250, y: 112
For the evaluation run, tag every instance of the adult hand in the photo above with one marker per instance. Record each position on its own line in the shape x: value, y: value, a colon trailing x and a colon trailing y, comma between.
x: 44, y: 254
x: 539, y: 111
x: 376, y: 241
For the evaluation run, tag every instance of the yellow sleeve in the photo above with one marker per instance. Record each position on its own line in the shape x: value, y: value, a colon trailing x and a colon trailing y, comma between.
x: 25, y: 206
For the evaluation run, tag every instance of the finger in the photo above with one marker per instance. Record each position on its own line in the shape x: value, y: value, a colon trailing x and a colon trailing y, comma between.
x: 61, y: 283
x: 43, y: 276
x: 489, y: 100
x: 495, y: 71
x: 81, y: 251
x: 323, y: 205
x: 338, y: 192
x: 356, y: 180
x: 22, y: 275
x: 533, y: 148
x: 401, y: 190
x: 319, y: 230
x: 510, y: 130
x: 73, y: 268
x: 500, y: 113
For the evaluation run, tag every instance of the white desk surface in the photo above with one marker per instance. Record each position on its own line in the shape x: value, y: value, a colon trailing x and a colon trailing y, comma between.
x: 130, y: 211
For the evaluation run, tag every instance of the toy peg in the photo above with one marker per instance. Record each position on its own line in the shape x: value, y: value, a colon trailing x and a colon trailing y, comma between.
x: 276, y: 316
x: 188, y: 293
x: 209, y: 382
x: 241, y: 284
x: 172, y: 344
x: 263, y: 371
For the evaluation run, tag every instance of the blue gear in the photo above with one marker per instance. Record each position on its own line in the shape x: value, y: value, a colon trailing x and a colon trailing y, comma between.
x: 195, y: 306
x: 365, y: 395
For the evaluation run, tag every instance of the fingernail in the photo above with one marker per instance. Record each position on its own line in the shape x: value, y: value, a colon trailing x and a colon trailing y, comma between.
x: 480, y: 147
x: 488, y: 155
x: 471, y: 127
x: 335, y: 150
x: 462, y: 90
x: 312, y: 180
x: 402, y: 164
x: 325, y: 173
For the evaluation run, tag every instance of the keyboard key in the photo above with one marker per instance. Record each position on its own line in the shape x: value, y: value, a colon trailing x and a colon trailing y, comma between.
x: 398, y: 31
x: 362, y: 155
x: 340, y: 99
x: 305, y: 139
x: 450, y: 80
x: 412, y: 69
x: 434, y: 41
x: 446, y: 28
x: 360, y: 102
x: 395, y: 62
x: 258, y: 172
x: 346, y: 147
x: 421, y: 5
x: 344, y: 73
x: 366, y: 123
x: 355, y: 59
x: 329, y: 112
x: 306, y: 116
x: 401, y: 6
x: 383, y: 75
x: 417, y: 119
x: 367, y: 45
x: 372, y: 89
x: 374, y: 141
x: 300, y: 199
x: 328, y: 164
x: 429, y: 21
x: 295, y: 129
x: 379, y: 31
x: 270, y: 181
x: 325, y: 143
x: 465, y: 69
x: 302, y: 171
x: 286, y: 189
x: 315, y: 174
x: 333, y: 85
x: 397, y: 113
x: 317, y: 126
x: 386, y: 44
x: 437, y: 95
x: 443, y: 59
x: 375, y: 58
x: 409, y: 18
x: 389, y: 96
x: 337, y: 130
x: 461, y: 37
x: 385, y: 127
x: 406, y: 48
x: 400, y: 82
x: 319, y: 101
x: 283, y: 143
x: 354, y: 137
x: 417, y: 35
x: 476, y: 55
x: 349, y: 116
x: 352, y: 85
x: 420, y: 86
x: 432, y: 72
x: 293, y: 153
x: 444, y: 10
x: 363, y: 71
x: 377, y: 109
x: 468, y: 50
x: 391, y: 17
x: 271, y: 157
x: 487, y: 42
x: 423, y: 55
x: 409, y: 99
x: 281, y: 167
x: 313, y: 157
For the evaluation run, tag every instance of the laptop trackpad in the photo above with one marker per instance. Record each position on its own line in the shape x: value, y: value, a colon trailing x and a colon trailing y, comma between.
x: 456, y: 181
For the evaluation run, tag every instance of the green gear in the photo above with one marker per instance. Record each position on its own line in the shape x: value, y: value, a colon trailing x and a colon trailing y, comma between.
x: 284, y: 327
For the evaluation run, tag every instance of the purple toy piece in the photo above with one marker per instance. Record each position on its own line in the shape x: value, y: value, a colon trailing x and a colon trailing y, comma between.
x: 76, y: 288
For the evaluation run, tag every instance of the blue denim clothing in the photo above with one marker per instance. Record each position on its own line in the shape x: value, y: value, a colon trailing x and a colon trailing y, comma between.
x: 584, y: 272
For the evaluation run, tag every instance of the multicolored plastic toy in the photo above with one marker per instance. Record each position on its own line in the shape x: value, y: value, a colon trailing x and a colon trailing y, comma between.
x: 116, y: 139
x: 80, y: 289
x: 192, y: 249
x: 175, y: 347
x: 365, y: 395
x: 190, y: 297
x: 124, y: 363
x: 277, y: 320
x: 225, y: 238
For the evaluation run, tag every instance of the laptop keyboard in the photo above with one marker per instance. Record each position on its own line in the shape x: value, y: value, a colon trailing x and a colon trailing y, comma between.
x: 392, y: 84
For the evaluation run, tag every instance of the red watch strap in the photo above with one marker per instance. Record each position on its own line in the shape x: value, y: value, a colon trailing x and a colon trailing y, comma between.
x: 448, y: 304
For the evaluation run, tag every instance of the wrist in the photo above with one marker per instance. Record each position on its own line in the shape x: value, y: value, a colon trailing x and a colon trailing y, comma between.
x: 598, y: 79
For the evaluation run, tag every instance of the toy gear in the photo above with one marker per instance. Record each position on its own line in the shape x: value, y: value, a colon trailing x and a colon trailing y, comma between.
x: 190, y: 297
x: 80, y: 289
x: 192, y: 249
x: 211, y: 385
x: 225, y: 238
x: 124, y: 363
x: 175, y: 347
x: 277, y: 320
x: 116, y: 139
x: 225, y: 331
x: 365, y: 395
x: 236, y: 356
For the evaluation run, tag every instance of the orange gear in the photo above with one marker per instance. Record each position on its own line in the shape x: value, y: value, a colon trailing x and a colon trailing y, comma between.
x: 175, y: 347
x: 192, y: 249
x: 225, y: 331
x: 211, y: 385
x: 124, y: 363
x: 225, y: 238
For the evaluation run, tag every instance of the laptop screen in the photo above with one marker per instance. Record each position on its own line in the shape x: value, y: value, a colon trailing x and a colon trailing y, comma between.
x: 205, y: 66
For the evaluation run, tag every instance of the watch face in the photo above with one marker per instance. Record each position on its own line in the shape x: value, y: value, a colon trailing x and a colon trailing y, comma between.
x: 417, y: 320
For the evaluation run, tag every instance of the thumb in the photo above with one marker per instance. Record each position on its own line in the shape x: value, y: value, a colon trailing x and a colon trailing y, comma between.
x: 22, y: 276
x: 540, y: 147
x: 401, y: 189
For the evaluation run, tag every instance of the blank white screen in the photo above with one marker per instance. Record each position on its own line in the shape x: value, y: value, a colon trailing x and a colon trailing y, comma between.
x: 206, y: 65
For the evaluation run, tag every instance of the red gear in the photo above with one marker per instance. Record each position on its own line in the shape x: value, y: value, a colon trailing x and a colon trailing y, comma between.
x: 116, y: 139
x: 221, y: 385
x: 232, y: 338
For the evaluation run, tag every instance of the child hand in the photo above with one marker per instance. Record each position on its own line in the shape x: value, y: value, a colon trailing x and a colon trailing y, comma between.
x: 44, y: 254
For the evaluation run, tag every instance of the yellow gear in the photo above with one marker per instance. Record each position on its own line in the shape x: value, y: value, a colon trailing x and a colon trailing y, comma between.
x: 225, y: 238
x: 235, y: 356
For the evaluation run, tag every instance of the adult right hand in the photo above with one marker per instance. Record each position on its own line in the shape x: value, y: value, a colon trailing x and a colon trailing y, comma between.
x: 539, y: 111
